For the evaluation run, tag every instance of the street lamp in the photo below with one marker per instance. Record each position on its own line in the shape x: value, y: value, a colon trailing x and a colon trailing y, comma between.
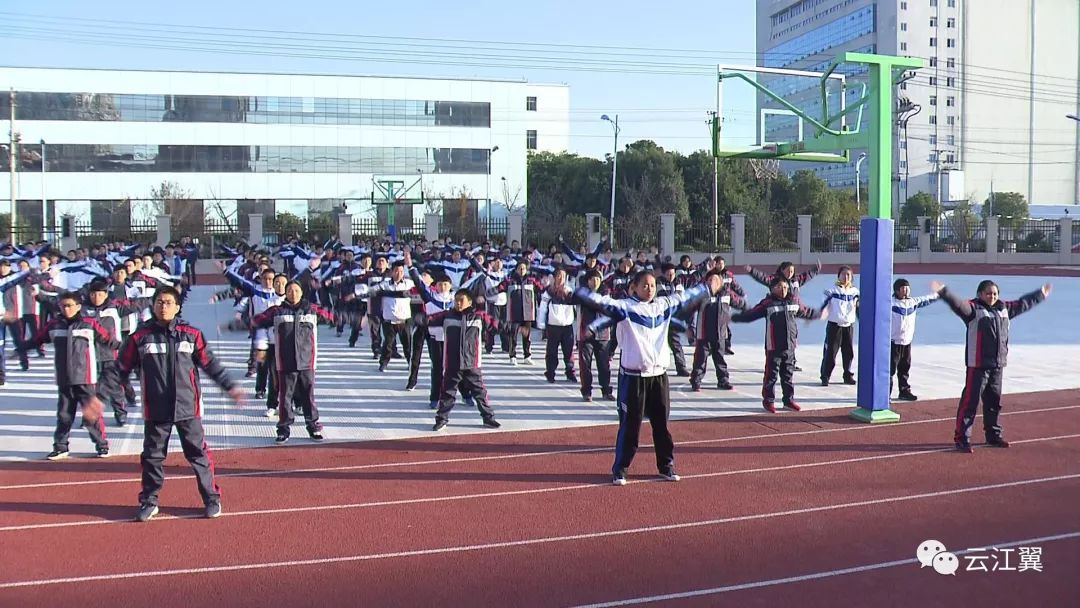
x: 487, y: 193
x: 44, y: 201
x: 614, y: 172
x: 1073, y: 116
x: 858, y: 181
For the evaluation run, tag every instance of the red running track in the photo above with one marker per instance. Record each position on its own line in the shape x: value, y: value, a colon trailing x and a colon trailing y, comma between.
x: 805, y: 509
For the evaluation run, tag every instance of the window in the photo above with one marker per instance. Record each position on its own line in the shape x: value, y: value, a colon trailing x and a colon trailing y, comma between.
x: 950, y: 157
x: 950, y: 101
x: 903, y: 144
x: 950, y: 81
x: 950, y: 22
x: 530, y: 104
x: 530, y: 139
x: 950, y: 120
x: 933, y: 2
x: 933, y: 140
x: 903, y: 46
x: 933, y: 81
x: 951, y: 43
x: 952, y: 3
x: 933, y: 119
x: 933, y: 157
x: 933, y: 42
x: 933, y: 21
x: 903, y: 164
x: 903, y: 86
x: 933, y: 100
x: 950, y: 62
x: 903, y: 6
x: 933, y: 62
x: 903, y: 27
x: 951, y: 140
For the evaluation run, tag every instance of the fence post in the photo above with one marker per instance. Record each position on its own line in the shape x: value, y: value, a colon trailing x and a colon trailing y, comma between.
x: 431, y: 227
x: 992, y: 239
x: 803, y: 238
x: 164, y: 230
x: 924, y: 239
x: 255, y: 230
x: 738, y: 238
x: 344, y: 228
x: 68, y: 241
x: 593, y: 234
x: 1066, y: 240
x: 667, y: 234
x: 515, y: 228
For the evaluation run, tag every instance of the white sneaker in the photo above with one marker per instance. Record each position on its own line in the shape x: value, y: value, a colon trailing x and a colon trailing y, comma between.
x: 670, y: 476
x: 271, y: 413
x: 618, y: 480
x: 513, y: 361
x: 527, y: 361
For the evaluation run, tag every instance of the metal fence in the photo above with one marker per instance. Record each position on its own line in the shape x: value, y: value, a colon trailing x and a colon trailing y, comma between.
x: 702, y: 236
x: 133, y: 232
x: 835, y: 238
x: 543, y: 233
x: 215, y: 232
x: 635, y: 236
x: 780, y: 235
x: 906, y: 237
x: 1076, y: 236
x: 958, y: 235
x: 1028, y: 236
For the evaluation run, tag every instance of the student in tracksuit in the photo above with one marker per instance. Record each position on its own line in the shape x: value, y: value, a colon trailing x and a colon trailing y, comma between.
x: 779, y: 309
x: 641, y: 323
x: 522, y: 301
x: 712, y: 327
x: 463, y: 337
x: 796, y: 281
x: 76, y: 340
x: 667, y: 285
x: 438, y: 298
x: 556, y: 321
x: 904, y: 309
x: 842, y: 300
x: 593, y: 345
x: 168, y: 353
x: 987, y: 319
x: 296, y: 336
x: 395, y: 297
x: 8, y: 280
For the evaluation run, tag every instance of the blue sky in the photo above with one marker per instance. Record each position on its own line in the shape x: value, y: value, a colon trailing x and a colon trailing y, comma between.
x: 669, y: 109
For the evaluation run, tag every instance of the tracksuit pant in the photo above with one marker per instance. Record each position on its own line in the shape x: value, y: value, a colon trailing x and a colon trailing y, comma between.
x: 375, y: 329
x: 675, y: 344
x: 778, y: 364
x: 69, y: 399
x: 841, y: 339
x: 391, y: 332
x: 355, y: 315
x: 640, y: 397
x: 589, y: 350
x: 521, y: 331
x: 155, y: 448
x: 3, y: 352
x: 559, y: 336
x: 900, y: 366
x: 297, y: 388
x: 702, y: 351
x: 419, y: 336
x: 435, y: 353
x: 984, y: 383
x: 266, y: 377
x: 499, y: 312
x: 109, y: 376
x: 471, y: 383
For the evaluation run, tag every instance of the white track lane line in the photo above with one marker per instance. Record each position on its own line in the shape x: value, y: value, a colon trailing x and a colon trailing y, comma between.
x: 545, y: 490
x: 531, y: 541
x: 817, y: 575
x: 413, y: 463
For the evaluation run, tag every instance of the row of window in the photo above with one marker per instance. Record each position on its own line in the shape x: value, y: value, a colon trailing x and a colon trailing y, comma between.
x: 80, y: 158
x: 951, y: 4
x: 835, y: 33
x: 839, y: 6
x: 950, y: 101
x: 248, y: 110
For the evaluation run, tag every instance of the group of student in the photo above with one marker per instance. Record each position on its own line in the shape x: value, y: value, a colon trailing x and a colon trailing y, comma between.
x: 459, y: 300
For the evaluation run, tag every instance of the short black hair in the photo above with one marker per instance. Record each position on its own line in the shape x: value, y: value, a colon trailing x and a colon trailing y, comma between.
x: 69, y: 295
x: 986, y: 284
x: 666, y: 266
x: 167, y: 290
x: 590, y: 275
x: 641, y: 275
x: 463, y: 292
x: 777, y: 280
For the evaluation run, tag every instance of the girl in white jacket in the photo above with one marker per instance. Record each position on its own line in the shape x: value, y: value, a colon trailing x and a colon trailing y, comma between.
x: 842, y: 301
x: 902, y: 332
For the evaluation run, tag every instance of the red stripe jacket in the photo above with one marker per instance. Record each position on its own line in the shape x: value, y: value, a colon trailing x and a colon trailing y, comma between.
x: 296, y: 333
x: 76, y: 341
x: 169, y: 359
x: 463, y: 336
x: 988, y: 326
x: 781, y: 333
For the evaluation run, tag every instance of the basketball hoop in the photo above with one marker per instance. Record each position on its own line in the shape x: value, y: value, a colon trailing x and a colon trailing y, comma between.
x: 765, y: 169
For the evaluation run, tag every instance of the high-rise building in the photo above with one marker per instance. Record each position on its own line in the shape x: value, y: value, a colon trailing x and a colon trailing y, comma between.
x: 988, y: 110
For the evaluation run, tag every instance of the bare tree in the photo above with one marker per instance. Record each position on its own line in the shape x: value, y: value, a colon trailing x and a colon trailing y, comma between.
x: 513, y: 203
x: 163, y: 199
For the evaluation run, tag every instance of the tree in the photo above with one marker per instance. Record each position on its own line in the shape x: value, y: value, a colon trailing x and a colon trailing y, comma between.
x: 168, y: 199
x: 1011, y: 207
x: 918, y: 205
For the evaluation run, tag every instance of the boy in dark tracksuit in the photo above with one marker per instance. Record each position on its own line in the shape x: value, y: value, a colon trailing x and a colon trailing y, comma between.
x: 522, y: 292
x: 437, y: 299
x: 556, y: 320
x: 593, y: 345
x: 295, y: 325
x: 779, y: 309
x: 711, y: 325
x: 463, y: 336
x: 987, y: 319
x: 786, y: 270
x: 642, y: 326
x: 76, y: 340
x: 667, y: 285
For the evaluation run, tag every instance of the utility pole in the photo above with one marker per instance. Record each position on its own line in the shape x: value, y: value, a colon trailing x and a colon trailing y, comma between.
x: 13, y: 140
x: 714, y: 123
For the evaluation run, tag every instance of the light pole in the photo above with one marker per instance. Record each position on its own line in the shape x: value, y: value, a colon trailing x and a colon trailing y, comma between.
x: 858, y: 181
x: 1073, y: 116
x: 487, y: 193
x: 1076, y: 191
x: 44, y: 200
x: 614, y: 172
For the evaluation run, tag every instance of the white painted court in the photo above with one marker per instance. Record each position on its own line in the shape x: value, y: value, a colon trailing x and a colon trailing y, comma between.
x: 356, y: 402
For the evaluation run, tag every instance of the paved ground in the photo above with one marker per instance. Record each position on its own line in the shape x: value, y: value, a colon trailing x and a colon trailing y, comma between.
x: 358, y: 403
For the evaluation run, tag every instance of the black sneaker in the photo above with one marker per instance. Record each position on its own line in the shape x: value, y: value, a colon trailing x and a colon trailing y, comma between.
x: 146, y: 512
x: 550, y: 379
x: 907, y: 396
x: 797, y: 368
x: 411, y: 386
x: 439, y: 425
x: 728, y: 351
x: 571, y: 377
x: 670, y: 475
x: 682, y: 373
x: 121, y: 419
x: 382, y: 367
x: 260, y: 395
x: 997, y: 442
x: 849, y: 380
x: 586, y: 398
x: 725, y: 386
x: 282, y: 437
x: 58, y: 455
x: 824, y: 382
x: 213, y: 510
x: 965, y: 447
x: 695, y: 388
x: 491, y: 423
x: 103, y: 452
x: 609, y: 396
x: 618, y: 478
x: 375, y: 356
x: 316, y: 435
